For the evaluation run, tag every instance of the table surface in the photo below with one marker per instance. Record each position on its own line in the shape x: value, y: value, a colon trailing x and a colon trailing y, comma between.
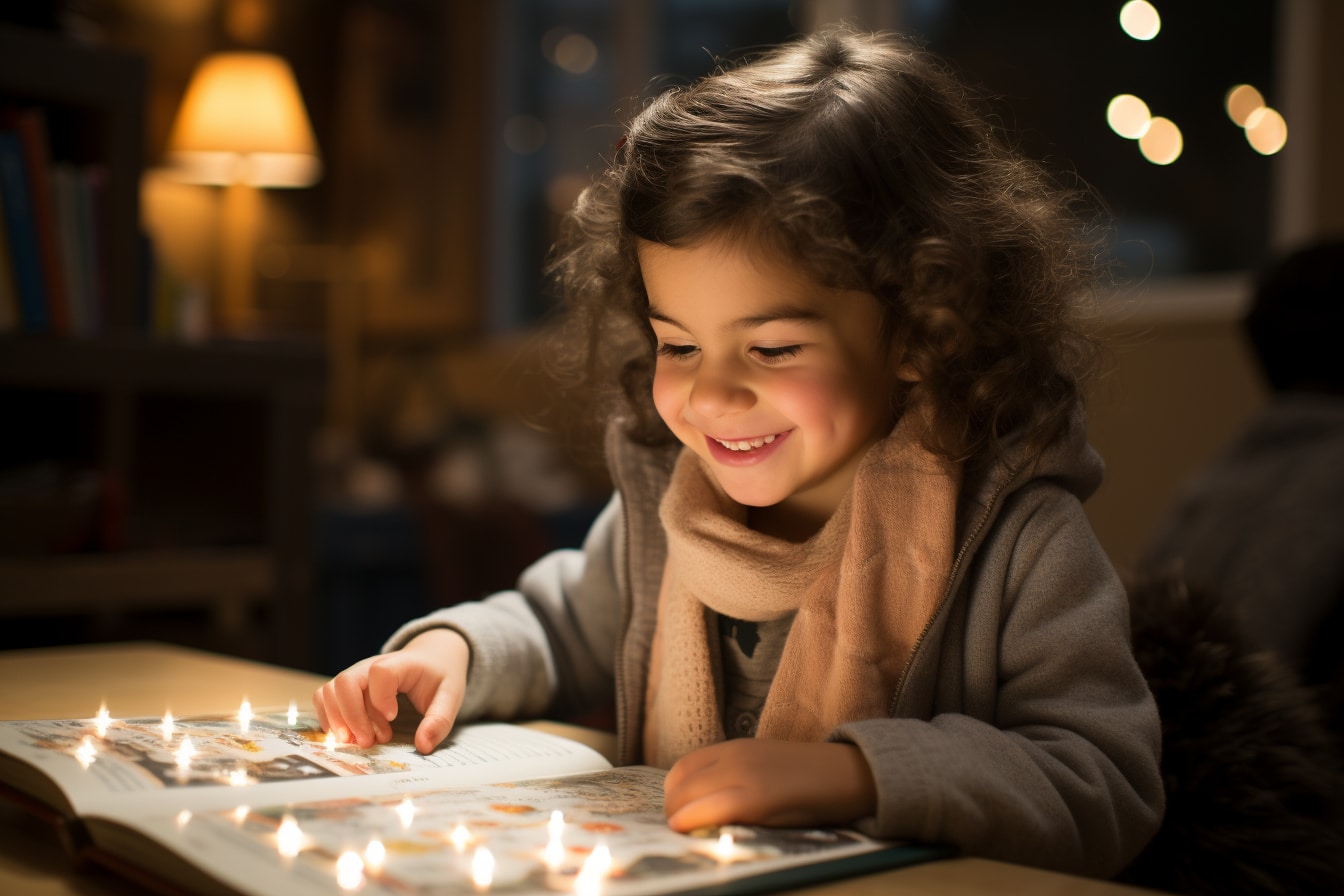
x: 144, y: 679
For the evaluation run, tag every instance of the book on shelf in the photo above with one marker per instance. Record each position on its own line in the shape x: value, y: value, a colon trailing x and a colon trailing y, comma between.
x: 10, y: 319
x: 30, y: 290
x: 267, y: 803
x: 29, y: 123
x: 53, y: 252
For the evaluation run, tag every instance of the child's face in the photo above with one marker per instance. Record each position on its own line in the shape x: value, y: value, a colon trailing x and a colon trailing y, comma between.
x: 781, y: 385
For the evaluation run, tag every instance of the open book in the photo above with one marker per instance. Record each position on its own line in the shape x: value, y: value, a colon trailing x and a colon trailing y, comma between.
x: 270, y: 804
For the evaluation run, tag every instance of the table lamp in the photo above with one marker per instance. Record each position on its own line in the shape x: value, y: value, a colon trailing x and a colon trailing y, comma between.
x: 242, y: 125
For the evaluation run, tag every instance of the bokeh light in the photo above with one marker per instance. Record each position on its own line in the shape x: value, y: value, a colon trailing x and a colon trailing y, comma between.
x: 1128, y: 116
x: 1162, y: 143
x: 1241, y: 101
x: 570, y: 51
x: 1140, y: 20
x: 1266, y: 131
x: 576, y: 53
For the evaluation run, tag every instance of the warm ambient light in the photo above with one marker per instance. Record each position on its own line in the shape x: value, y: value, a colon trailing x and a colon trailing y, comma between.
x: 482, y: 868
x: 1240, y: 102
x: 1162, y: 143
x: 1265, y: 128
x: 242, y: 125
x: 1140, y: 20
x: 1128, y: 116
x: 1266, y: 131
x: 243, y: 121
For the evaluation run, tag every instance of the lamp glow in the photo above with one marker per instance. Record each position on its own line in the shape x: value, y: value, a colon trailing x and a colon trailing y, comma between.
x: 242, y: 125
x: 243, y: 121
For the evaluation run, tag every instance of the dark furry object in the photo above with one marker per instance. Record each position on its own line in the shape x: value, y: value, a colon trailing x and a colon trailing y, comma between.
x: 1253, y: 779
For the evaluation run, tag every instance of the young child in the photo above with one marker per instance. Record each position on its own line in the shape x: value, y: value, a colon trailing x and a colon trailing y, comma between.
x: 846, y: 576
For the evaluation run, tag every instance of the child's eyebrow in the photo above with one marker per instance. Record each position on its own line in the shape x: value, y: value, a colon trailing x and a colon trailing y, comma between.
x: 783, y: 313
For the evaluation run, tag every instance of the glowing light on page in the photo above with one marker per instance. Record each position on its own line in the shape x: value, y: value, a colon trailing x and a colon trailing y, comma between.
x: 460, y: 837
x: 288, y: 838
x: 102, y: 721
x: 349, y: 871
x: 482, y: 869
x: 594, y: 871
x: 553, y: 856
x: 87, y: 752
x: 375, y: 854
x: 184, y: 753
x: 406, y: 812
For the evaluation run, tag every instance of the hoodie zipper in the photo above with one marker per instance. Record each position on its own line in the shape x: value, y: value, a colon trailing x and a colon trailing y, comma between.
x: 623, y: 751
x: 971, y: 537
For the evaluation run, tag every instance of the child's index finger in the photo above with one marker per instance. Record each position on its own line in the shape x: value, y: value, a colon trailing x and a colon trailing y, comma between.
x: 384, y: 685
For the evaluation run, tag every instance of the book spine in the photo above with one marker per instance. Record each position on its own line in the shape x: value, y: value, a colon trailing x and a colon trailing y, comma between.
x: 9, y: 288
x: 19, y: 223
x: 32, y: 128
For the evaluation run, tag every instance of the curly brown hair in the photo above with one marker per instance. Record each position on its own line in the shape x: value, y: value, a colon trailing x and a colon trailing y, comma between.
x: 862, y: 158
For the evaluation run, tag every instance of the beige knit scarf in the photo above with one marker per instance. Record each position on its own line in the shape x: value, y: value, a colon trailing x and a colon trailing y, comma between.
x: 864, y: 587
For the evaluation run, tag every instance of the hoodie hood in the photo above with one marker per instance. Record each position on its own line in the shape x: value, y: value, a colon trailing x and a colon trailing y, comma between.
x: 1069, y: 461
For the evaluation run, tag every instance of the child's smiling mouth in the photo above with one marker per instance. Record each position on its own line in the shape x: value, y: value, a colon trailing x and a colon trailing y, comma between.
x: 746, y: 444
x: 744, y: 452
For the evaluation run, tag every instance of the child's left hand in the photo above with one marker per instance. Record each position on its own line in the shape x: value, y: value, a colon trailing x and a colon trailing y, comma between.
x: 769, y: 782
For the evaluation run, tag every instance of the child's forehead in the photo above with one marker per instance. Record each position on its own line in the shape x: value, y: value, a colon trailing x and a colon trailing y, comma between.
x: 747, y: 254
x: 735, y: 287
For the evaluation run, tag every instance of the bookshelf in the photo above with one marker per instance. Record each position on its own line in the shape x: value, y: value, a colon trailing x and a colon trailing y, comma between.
x: 197, y: 455
x: 207, y: 450
x: 93, y: 101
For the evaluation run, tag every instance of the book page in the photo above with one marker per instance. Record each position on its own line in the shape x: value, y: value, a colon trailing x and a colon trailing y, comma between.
x: 596, y: 832
x: 147, y: 765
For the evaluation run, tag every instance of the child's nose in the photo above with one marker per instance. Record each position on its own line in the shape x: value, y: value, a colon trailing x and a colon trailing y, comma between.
x: 719, y: 389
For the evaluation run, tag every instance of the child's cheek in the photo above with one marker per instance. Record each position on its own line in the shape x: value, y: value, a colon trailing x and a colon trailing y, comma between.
x: 667, y: 391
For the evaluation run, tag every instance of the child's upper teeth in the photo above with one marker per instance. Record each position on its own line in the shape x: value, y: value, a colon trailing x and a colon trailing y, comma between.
x: 746, y: 444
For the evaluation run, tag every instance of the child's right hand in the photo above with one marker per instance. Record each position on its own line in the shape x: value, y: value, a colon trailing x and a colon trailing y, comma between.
x: 358, y: 705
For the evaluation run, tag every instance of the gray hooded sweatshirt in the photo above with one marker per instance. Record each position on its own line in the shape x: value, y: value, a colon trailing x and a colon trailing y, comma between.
x: 1023, y: 729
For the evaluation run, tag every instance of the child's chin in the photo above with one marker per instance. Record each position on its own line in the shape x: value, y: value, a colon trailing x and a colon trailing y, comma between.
x: 748, y: 497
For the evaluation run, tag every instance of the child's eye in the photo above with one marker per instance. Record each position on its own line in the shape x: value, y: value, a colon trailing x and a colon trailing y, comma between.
x: 670, y: 350
x: 777, y: 352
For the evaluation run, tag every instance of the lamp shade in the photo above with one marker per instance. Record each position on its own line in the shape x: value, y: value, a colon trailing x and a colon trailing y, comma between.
x: 243, y: 121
